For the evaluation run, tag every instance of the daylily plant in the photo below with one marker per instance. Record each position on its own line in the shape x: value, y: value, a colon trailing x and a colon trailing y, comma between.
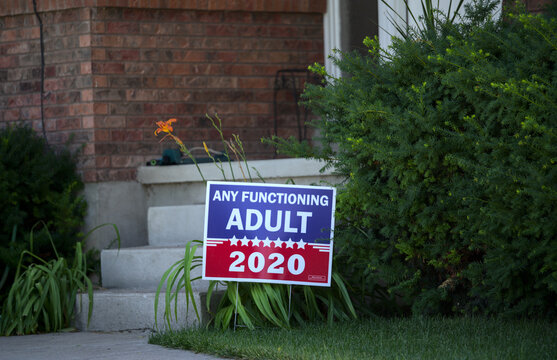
x: 165, y: 126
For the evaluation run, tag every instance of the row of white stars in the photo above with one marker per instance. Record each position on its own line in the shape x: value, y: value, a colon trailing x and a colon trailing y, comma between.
x: 276, y: 243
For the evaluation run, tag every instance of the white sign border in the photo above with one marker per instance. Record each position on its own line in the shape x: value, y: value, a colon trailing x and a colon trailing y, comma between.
x: 268, y: 281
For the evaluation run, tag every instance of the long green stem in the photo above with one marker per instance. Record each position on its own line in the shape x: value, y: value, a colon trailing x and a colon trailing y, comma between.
x: 185, y: 150
x: 219, y: 130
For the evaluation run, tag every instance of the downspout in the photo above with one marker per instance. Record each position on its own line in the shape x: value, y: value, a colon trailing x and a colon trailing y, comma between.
x: 42, y: 69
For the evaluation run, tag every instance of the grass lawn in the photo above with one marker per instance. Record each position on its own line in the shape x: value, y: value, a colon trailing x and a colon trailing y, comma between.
x: 409, y: 338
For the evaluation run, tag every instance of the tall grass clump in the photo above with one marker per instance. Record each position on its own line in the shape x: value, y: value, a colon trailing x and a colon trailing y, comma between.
x: 43, y: 294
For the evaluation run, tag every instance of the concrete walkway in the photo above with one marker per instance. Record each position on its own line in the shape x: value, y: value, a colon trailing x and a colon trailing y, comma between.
x: 126, y: 345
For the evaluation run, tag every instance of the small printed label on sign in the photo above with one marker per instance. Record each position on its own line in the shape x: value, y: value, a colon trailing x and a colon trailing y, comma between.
x: 268, y: 233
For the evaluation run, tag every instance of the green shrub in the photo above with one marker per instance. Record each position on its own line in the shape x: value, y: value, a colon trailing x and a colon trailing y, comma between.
x: 448, y: 145
x: 36, y: 184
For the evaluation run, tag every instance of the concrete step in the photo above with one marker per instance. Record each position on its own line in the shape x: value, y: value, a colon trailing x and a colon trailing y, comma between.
x: 175, y: 225
x: 143, y: 267
x: 118, y: 310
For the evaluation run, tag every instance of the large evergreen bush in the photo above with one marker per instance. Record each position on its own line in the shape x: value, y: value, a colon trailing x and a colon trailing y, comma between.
x: 448, y: 145
x: 37, y: 184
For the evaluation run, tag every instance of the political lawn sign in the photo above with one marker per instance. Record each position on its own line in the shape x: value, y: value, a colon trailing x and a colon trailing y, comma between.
x: 268, y: 233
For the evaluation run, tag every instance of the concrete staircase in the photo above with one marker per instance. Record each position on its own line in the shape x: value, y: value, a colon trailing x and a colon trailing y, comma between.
x: 130, y: 276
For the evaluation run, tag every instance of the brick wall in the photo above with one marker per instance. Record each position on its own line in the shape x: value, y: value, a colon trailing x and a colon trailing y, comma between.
x: 152, y: 65
x: 114, y: 68
x: 68, y: 106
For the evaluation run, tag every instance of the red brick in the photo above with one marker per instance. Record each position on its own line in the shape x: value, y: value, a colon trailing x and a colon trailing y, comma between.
x: 85, y: 68
x: 154, y: 108
x: 138, y: 41
x: 81, y: 109
x: 176, y: 69
x: 264, y: 57
x: 98, y: 54
x: 66, y: 97
x: 55, y: 111
x: 12, y: 115
x: 223, y: 56
x: 127, y: 108
x: 50, y: 71
x: 257, y: 5
x: 124, y: 28
x: 100, y: 81
x: 189, y: 29
x: 24, y: 100
x: 238, y: 69
x: 221, y: 30
x: 254, y: 83
x: 254, y: 31
x: 109, y: 40
x: 191, y: 82
x: 164, y: 82
x: 88, y: 122
x: 190, y: 108
x: 100, y: 108
x: 175, y: 95
x: 49, y: 124
x: 8, y: 62
x: 209, y: 16
x: 68, y: 124
x: 9, y: 35
x: 85, y: 40
x: 284, y: 32
x: 257, y: 108
x: 14, y: 48
x: 107, y: 68
x: 223, y: 109
x: 109, y: 94
x: 188, y: 56
x: 127, y: 54
x: 31, y: 113
x: 87, y: 95
x: 110, y: 121
x: 149, y: 54
x: 179, y: 16
x: 126, y: 135
x: 138, y: 14
x: 222, y: 82
x: 196, y: 134
x: 102, y: 162
x: 97, y: 27
x: 140, y: 68
x: 141, y: 122
x: 238, y: 16
x: 101, y: 135
x: 142, y: 95
x: 217, y: 4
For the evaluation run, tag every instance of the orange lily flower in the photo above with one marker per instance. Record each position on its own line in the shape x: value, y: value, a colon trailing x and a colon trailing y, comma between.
x: 165, y: 126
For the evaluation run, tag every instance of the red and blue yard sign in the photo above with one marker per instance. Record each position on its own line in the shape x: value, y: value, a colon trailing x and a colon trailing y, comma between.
x: 269, y: 233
